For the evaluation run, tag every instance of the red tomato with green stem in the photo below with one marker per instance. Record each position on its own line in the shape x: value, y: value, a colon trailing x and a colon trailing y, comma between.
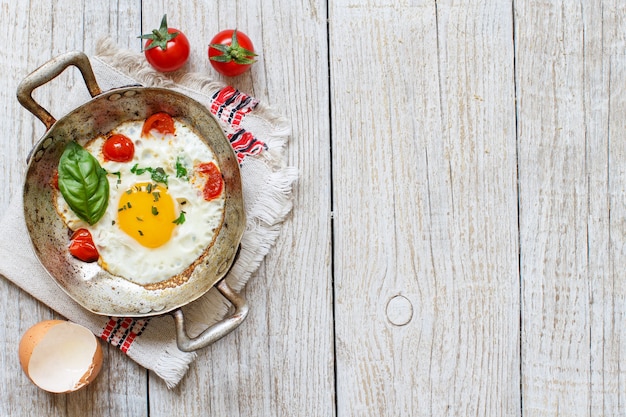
x: 167, y: 49
x: 231, y: 52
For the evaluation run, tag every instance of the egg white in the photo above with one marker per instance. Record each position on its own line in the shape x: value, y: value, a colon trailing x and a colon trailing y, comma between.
x: 121, y: 254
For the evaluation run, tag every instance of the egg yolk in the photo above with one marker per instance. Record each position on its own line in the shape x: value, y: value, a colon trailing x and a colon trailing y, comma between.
x: 146, y: 212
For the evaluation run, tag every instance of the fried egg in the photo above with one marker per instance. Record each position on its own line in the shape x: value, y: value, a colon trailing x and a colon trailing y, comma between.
x: 153, y: 230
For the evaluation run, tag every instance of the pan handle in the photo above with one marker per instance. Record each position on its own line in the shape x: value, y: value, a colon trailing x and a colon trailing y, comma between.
x: 216, y: 331
x: 49, y: 71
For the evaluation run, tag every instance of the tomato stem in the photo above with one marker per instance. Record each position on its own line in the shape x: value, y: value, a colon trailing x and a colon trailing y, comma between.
x: 233, y: 52
x: 159, y: 37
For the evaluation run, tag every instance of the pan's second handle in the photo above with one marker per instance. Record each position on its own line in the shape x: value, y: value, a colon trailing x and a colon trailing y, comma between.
x: 216, y: 331
x: 49, y: 71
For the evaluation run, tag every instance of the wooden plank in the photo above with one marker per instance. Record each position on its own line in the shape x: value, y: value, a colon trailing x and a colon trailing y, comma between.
x: 425, y: 208
x: 605, y: 107
x: 280, y: 361
x: 609, y: 294
x: 570, y: 106
x: 37, y: 31
x: 296, y: 279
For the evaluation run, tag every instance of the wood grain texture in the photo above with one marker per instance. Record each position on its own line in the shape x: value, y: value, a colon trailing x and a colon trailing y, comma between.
x: 458, y: 235
x: 571, y: 157
x: 424, y: 185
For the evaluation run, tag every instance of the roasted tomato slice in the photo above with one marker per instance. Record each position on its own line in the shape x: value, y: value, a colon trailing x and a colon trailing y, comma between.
x: 161, y: 122
x: 214, y: 183
x: 118, y: 148
x: 82, y: 246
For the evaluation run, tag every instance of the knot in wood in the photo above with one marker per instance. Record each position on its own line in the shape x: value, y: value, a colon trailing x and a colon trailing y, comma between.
x: 399, y: 310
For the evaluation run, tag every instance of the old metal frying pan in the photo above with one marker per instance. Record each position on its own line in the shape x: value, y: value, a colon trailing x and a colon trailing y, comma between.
x: 88, y: 284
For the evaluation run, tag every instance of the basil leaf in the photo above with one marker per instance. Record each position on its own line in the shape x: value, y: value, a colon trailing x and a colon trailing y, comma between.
x: 83, y: 183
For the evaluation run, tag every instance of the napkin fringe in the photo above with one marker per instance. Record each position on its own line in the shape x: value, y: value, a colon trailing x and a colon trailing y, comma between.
x: 278, y: 203
x: 172, y: 365
x: 263, y: 238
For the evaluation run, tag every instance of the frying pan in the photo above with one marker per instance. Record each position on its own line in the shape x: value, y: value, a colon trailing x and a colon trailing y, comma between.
x: 88, y: 284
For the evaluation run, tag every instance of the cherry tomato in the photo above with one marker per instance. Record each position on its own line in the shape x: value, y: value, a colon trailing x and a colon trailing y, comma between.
x: 214, y: 183
x: 161, y: 122
x: 231, y: 52
x: 167, y: 49
x: 82, y: 246
x: 118, y: 148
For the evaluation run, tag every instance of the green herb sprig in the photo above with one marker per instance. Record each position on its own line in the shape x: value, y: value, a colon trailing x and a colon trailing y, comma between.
x: 157, y: 174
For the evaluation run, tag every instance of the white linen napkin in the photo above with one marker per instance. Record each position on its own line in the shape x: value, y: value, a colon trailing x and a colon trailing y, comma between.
x: 259, y: 137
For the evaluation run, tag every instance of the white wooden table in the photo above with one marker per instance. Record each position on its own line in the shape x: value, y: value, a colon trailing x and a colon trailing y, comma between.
x: 457, y: 244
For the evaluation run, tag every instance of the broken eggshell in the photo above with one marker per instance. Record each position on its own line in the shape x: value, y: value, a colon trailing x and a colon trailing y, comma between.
x: 60, y: 356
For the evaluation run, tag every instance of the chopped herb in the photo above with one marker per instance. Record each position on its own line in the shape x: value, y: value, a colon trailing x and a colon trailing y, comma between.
x: 156, y: 196
x: 157, y: 174
x: 181, y: 170
x: 113, y: 223
x: 140, y: 232
x: 128, y: 204
x: 136, y: 170
x: 118, y: 175
x: 129, y: 192
x: 180, y: 219
x: 155, y: 211
x: 149, y: 188
x: 139, y: 219
x: 121, y: 208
